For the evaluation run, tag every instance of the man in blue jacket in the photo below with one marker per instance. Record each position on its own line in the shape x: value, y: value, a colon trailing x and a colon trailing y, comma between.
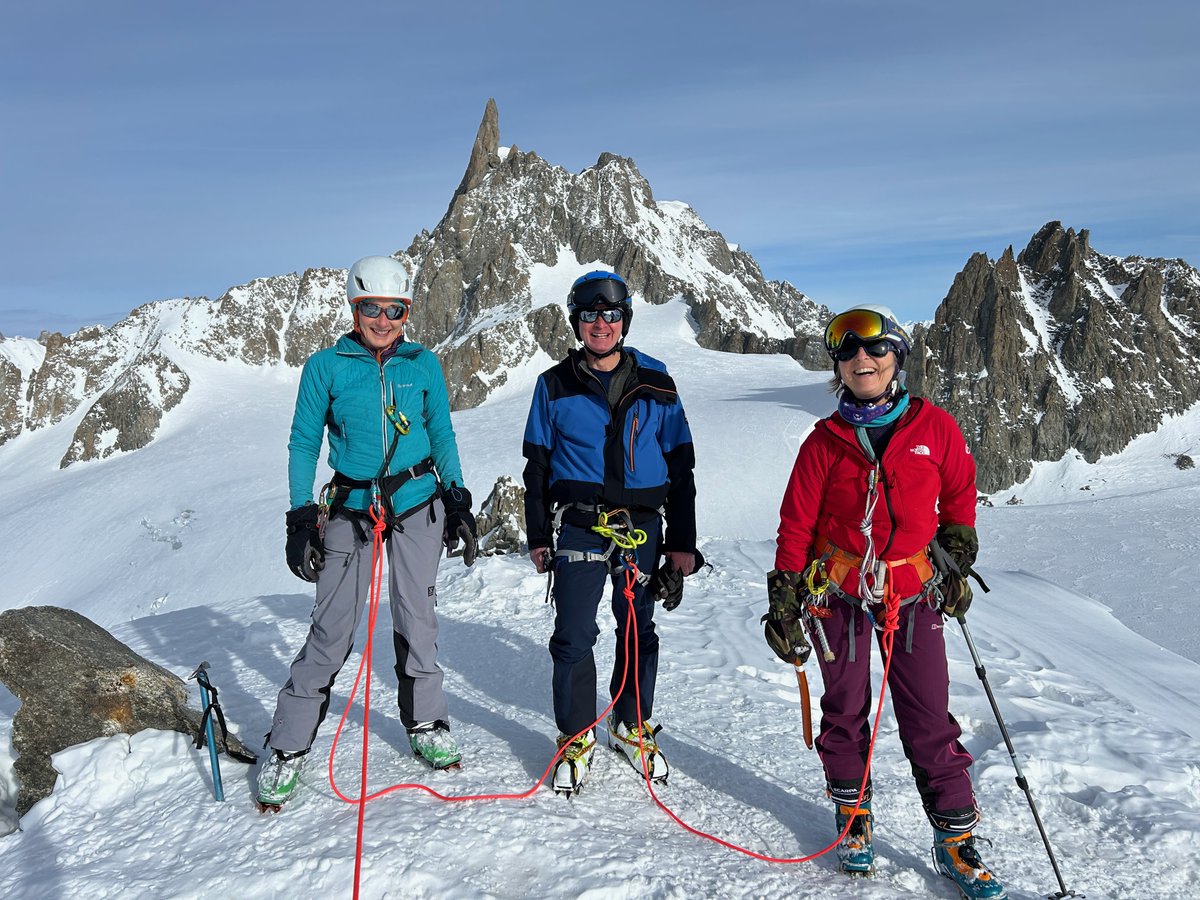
x: 383, y: 401
x: 607, y: 444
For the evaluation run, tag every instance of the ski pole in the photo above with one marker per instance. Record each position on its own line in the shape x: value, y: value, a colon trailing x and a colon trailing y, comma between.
x: 1022, y: 783
x: 201, y: 676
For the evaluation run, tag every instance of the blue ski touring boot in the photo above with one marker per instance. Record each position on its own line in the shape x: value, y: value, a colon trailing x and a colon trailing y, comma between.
x: 856, y: 856
x: 955, y: 856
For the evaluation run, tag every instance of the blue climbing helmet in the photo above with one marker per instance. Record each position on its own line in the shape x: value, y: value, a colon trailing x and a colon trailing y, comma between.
x: 599, y: 288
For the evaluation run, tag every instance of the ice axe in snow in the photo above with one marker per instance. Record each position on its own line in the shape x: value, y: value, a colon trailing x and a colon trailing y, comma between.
x: 212, y: 710
x: 206, y: 735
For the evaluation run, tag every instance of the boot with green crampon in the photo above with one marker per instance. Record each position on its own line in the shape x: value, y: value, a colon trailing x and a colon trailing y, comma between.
x: 856, y: 855
x: 431, y: 741
x: 279, y: 778
x: 575, y: 762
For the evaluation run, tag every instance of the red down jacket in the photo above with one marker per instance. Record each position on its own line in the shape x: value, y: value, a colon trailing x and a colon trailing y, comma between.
x: 928, y: 480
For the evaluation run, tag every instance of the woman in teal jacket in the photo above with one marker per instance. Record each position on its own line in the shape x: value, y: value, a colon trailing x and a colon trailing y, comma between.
x: 383, y: 403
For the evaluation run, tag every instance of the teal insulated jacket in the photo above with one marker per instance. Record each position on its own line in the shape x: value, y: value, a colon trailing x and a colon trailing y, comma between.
x: 344, y: 389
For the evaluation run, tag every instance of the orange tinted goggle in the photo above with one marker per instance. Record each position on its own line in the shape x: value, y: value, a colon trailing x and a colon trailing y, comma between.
x: 864, y: 324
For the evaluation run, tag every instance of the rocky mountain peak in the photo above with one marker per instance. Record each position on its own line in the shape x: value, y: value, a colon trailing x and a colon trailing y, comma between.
x: 1062, y: 349
x: 485, y: 152
x: 512, y: 216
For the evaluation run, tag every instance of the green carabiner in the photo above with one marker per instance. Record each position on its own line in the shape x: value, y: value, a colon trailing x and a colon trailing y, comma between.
x: 397, y: 418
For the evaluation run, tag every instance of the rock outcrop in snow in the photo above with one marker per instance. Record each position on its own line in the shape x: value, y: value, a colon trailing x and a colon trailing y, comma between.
x: 85, y: 684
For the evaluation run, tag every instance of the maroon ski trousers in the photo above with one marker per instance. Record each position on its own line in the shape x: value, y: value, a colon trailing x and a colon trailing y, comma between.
x: 919, y: 687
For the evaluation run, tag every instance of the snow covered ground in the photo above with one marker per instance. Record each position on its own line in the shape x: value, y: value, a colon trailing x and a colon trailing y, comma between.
x: 178, y: 549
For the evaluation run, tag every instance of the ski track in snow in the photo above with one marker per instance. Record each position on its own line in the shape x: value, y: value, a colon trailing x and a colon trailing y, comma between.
x: 186, y: 565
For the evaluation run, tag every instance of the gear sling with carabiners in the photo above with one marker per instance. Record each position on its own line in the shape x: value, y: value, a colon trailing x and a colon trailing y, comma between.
x: 621, y: 535
x: 832, y: 568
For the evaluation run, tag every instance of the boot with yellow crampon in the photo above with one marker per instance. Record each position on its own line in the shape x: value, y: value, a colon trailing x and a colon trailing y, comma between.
x: 575, y: 762
x: 640, y: 748
x: 856, y: 855
x: 956, y: 857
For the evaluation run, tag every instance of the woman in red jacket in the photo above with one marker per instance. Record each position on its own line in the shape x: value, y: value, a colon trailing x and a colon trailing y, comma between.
x: 872, y: 486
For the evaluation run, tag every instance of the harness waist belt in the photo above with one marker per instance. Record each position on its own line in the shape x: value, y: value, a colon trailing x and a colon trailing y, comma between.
x: 585, y: 516
x: 390, y: 483
x: 839, y: 564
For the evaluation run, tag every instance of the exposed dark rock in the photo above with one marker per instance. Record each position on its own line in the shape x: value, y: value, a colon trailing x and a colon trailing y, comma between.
x: 1060, y: 348
x: 127, y: 415
x: 11, y: 382
x: 484, y: 152
x: 515, y: 212
x: 501, y: 518
x: 77, y: 682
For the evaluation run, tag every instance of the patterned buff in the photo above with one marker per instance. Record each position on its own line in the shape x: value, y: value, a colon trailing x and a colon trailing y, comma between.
x: 877, y: 416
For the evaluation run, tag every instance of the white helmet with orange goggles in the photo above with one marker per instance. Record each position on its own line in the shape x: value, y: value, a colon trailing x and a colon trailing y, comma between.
x: 868, y: 325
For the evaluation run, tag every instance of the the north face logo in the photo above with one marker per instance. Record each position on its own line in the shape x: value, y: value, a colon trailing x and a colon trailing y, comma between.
x: 921, y: 450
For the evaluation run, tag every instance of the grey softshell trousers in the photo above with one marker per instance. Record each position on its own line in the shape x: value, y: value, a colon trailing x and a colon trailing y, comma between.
x: 343, y: 589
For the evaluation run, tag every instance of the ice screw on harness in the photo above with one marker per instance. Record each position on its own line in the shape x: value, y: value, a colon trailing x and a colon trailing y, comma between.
x: 817, y: 582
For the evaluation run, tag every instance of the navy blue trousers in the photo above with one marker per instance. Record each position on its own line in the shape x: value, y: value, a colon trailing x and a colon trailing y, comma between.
x: 578, y: 588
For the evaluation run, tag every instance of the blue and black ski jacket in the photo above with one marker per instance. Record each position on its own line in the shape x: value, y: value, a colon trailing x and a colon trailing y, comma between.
x: 628, y: 447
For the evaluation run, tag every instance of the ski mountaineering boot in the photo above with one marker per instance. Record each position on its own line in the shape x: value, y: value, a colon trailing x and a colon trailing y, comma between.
x: 632, y: 742
x: 431, y: 741
x: 955, y: 856
x: 856, y: 856
x: 575, y: 762
x: 278, y: 779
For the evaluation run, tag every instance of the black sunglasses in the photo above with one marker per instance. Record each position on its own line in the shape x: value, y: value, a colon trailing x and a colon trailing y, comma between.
x: 849, y: 349
x: 372, y: 310
x: 608, y: 315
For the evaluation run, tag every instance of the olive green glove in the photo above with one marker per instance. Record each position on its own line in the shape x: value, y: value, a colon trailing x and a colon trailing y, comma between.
x: 783, y: 625
x: 961, y: 544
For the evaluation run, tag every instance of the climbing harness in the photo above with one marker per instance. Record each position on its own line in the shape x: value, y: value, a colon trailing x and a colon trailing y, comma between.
x: 616, y: 525
x: 332, y: 498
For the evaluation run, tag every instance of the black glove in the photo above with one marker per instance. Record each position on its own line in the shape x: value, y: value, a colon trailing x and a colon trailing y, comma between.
x: 666, y: 584
x: 460, y: 524
x: 783, y: 626
x: 961, y: 544
x: 305, y: 549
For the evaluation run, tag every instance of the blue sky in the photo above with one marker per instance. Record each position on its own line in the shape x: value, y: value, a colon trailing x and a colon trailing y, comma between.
x: 860, y: 149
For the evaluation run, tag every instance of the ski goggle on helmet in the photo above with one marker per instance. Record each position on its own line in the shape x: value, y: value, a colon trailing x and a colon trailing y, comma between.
x: 870, y: 326
x: 599, y: 289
